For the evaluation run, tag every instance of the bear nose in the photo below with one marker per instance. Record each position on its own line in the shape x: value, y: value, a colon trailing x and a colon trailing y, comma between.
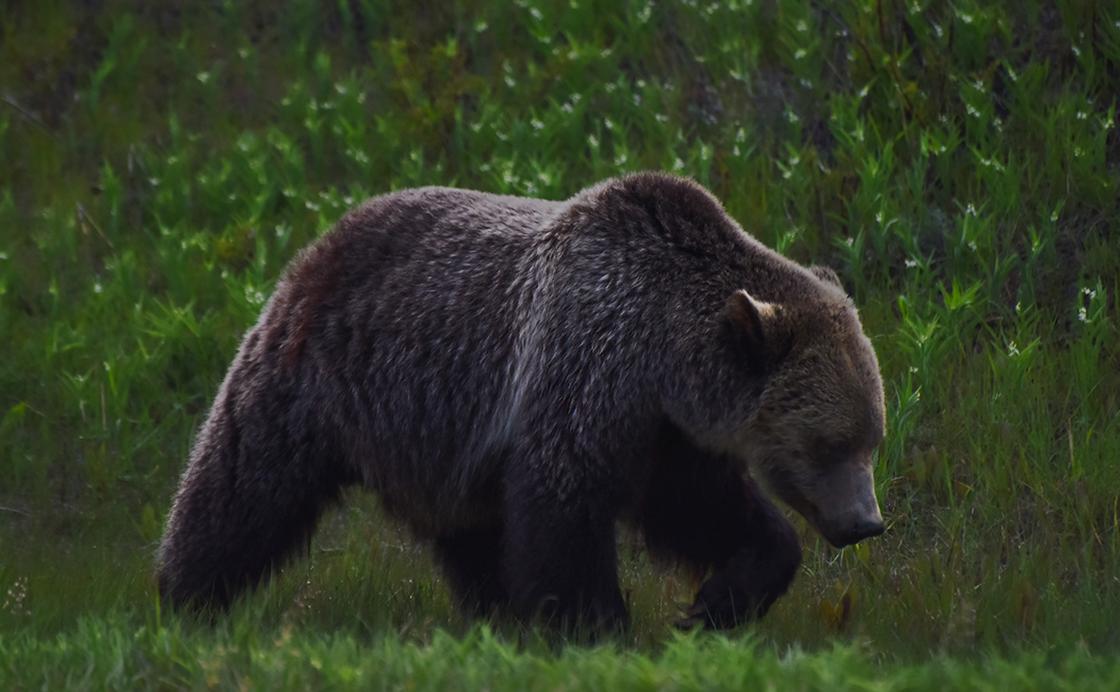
x: 866, y: 528
x: 869, y: 529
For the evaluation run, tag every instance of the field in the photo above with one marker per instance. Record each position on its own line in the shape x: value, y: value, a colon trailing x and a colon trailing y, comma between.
x: 957, y: 163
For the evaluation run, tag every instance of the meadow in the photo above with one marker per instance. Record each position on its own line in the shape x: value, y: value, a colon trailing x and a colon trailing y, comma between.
x: 958, y: 163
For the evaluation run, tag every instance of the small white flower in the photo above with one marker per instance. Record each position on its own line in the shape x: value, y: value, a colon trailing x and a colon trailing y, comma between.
x: 1083, y: 314
x: 1012, y: 349
x: 913, y: 370
x: 849, y: 241
x: 911, y: 263
x: 203, y: 77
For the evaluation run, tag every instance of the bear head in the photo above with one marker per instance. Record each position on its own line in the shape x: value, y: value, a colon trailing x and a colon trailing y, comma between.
x: 820, y: 415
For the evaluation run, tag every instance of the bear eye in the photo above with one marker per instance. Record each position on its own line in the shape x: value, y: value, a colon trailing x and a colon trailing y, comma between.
x: 833, y: 450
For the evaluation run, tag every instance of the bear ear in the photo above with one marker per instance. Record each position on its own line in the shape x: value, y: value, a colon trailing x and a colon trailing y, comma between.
x: 754, y: 323
x: 827, y: 275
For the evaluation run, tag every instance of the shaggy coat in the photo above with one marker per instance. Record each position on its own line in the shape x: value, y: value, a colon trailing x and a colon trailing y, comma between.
x: 512, y: 377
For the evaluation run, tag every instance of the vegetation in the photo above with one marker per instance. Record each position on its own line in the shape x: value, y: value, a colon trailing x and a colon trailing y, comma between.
x: 957, y: 162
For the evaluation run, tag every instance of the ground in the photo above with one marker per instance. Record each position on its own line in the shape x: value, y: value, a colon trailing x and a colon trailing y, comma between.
x: 956, y: 164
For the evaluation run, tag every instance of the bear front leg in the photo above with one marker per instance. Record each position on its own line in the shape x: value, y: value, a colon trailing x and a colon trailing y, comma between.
x: 559, y: 558
x: 755, y: 576
x: 702, y: 510
x: 471, y: 560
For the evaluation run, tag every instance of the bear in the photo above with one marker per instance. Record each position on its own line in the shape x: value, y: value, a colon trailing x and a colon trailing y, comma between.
x: 516, y: 377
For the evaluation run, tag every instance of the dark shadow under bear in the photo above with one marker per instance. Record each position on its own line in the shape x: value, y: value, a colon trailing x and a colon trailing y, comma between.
x: 515, y: 376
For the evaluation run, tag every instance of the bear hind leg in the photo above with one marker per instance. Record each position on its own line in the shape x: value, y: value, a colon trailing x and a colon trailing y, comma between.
x: 246, y: 503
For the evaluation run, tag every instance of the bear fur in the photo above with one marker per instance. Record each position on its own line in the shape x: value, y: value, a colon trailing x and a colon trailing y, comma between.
x: 514, y: 376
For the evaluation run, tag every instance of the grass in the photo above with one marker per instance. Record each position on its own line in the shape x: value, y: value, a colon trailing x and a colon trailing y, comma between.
x: 110, y: 653
x: 957, y: 163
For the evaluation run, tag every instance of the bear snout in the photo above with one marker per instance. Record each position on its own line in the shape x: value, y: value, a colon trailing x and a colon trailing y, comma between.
x: 862, y: 529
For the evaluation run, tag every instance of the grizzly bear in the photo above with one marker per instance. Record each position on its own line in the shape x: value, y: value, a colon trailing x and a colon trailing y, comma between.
x: 513, y: 377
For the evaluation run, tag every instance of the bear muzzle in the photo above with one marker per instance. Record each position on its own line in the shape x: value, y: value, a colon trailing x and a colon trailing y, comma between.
x: 850, y: 512
x: 858, y: 531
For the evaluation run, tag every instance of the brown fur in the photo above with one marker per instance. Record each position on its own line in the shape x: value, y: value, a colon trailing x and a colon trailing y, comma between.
x: 513, y: 376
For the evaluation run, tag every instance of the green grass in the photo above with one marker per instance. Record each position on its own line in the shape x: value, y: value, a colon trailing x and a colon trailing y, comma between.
x: 958, y: 164
x: 111, y: 653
